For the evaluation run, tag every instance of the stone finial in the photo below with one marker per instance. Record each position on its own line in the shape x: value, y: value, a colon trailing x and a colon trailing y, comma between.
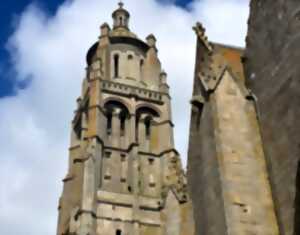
x: 121, y: 4
x: 105, y: 29
x: 200, y: 31
x: 163, y: 77
x: 151, y: 40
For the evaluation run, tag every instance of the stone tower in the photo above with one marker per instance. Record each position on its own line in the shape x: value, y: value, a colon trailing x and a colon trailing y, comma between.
x: 227, y: 169
x: 124, y: 177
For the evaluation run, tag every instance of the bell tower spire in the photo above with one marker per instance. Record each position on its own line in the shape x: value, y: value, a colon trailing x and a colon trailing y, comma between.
x: 121, y: 17
x: 125, y: 176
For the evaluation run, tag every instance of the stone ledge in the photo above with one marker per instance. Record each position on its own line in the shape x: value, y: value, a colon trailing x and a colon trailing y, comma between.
x: 128, y: 200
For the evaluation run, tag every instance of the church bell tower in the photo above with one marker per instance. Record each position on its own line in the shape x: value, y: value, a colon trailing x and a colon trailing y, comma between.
x: 125, y: 176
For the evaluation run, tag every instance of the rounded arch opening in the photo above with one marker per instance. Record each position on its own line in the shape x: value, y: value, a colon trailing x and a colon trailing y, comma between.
x: 148, y: 108
x: 118, y: 101
x: 116, y: 109
x: 145, y: 116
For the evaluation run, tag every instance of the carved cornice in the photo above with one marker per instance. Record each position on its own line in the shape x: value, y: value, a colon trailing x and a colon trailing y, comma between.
x: 126, y: 150
x: 68, y: 178
x: 80, y: 212
x: 128, y: 221
x: 133, y: 91
x: 129, y: 205
x: 155, y: 123
x: 160, y: 154
x: 74, y: 147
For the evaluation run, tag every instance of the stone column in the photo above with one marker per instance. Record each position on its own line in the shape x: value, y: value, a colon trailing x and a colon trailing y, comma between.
x: 134, y: 172
x: 142, y: 133
x: 116, y: 127
x: 90, y: 187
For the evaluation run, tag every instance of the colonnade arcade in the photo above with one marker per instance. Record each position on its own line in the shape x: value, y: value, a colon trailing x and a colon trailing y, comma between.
x: 122, y: 124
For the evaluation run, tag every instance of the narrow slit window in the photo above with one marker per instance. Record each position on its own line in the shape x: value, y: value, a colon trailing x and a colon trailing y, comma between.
x: 107, y: 154
x: 123, y: 122
x: 109, y: 124
x: 119, y: 232
x: 141, y: 67
x: 116, y: 66
x: 123, y: 157
x: 148, y: 127
x: 151, y: 161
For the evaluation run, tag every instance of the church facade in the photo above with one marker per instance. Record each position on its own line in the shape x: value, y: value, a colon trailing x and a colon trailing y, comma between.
x: 125, y: 175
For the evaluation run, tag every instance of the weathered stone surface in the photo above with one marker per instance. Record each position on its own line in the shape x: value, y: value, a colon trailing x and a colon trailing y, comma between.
x: 227, y: 173
x: 125, y: 177
x: 272, y: 67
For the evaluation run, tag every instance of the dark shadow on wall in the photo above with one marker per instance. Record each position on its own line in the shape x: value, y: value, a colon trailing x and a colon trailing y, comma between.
x: 297, y: 203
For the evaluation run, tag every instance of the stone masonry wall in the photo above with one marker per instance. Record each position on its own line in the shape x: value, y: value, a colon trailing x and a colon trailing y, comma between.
x: 272, y: 67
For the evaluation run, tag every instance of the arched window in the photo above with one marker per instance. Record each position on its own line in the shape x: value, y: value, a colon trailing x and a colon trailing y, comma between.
x: 123, y: 114
x: 148, y: 114
x: 116, y: 66
x: 121, y: 20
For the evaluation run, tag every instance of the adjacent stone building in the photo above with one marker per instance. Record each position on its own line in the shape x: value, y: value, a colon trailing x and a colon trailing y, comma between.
x: 273, y: 74
x: 227, y: 170
x: 125, y: 176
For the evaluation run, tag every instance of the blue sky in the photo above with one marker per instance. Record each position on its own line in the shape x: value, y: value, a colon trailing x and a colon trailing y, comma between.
x: 9, y: 13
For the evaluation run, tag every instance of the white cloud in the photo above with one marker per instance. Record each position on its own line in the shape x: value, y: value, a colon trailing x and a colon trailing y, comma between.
x: 51, y: 51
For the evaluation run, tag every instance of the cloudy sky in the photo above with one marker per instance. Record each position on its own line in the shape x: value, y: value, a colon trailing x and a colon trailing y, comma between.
x: 42, y: 64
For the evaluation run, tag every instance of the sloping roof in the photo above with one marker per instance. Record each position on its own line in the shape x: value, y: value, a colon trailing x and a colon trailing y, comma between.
x: 232, y: 57
x: 221, y: 58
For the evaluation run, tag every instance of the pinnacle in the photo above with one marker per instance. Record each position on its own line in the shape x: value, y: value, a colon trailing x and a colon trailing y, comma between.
x: 200, y: 31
